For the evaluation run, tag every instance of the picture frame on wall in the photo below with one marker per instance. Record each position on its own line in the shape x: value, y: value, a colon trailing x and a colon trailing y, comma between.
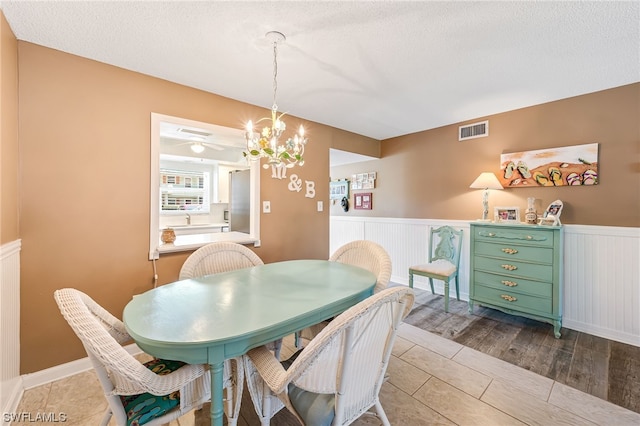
x: 364, y: 180
x: 575, y: 165
x: 363, y: 201
x: 507, y: 214
x: 338, y: 189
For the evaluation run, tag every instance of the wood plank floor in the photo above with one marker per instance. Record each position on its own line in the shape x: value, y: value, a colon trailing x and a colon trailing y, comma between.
x: 604, y: 368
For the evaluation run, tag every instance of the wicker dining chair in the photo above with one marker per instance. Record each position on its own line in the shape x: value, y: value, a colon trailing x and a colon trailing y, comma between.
x: 218, y: 257
x: 153, y: 393
x: 337, y: 377
x: 365, y: 254
x: 368, y: 255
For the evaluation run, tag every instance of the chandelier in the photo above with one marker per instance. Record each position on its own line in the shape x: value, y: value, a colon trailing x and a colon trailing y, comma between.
x: 267, y: 142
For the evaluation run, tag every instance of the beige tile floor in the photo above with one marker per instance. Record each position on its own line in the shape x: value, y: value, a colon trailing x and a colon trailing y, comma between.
x: 433, y: 381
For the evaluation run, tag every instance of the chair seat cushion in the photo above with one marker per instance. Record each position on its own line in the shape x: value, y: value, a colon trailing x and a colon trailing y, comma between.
x: 142, y: 408
x: 316, y: 409
x: 439, y: 267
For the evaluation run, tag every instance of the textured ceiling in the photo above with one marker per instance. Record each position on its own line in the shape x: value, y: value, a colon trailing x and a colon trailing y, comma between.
x: 380, y: 69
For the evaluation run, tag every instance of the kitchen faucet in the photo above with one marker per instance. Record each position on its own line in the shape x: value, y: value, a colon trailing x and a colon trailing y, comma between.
x: 188, y: 218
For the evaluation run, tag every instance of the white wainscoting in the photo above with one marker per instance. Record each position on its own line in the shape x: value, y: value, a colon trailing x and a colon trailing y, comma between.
x: 601, y: 268
x: 601, y: 284
x: 10, y: 380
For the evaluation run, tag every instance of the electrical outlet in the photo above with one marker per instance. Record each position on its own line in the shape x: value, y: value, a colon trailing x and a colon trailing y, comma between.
x: 320, y: 206
x: 266, y: 207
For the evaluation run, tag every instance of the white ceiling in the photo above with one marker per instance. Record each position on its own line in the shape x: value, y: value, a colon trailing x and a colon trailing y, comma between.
x: 376, y: 68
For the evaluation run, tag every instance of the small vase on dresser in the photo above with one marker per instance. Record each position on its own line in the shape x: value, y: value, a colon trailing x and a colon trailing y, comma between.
x: 517, y: 268
x: 530, y: 215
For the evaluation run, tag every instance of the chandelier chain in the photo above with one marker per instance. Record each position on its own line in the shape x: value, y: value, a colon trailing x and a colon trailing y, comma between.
x: 275, y: 75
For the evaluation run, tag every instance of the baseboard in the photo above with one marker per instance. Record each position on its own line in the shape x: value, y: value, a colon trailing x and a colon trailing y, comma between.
x: 629, y: 339
x: 12, y: 394
x: 42, y: 377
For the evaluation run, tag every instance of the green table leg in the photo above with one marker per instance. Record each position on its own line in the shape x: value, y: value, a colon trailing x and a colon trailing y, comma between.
x: 217, y: 411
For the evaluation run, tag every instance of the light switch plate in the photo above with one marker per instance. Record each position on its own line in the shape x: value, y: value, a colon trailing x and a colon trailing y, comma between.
x: 320, y: 206
x: 266, y: 207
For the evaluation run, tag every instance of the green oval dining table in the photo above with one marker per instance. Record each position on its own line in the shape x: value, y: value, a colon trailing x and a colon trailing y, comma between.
x: 208, y: 319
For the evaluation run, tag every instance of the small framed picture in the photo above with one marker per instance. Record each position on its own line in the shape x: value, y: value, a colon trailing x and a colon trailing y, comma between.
x: 363, y: 201
x: 552, y: 214
x: 338, y: 189
x: 507, y: 214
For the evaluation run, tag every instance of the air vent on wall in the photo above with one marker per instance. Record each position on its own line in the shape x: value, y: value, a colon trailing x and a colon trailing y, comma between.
x: 194, y: 132
x: 472, y: 131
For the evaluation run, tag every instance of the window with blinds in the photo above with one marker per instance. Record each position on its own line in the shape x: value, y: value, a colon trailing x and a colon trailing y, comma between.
x: 184, y: 191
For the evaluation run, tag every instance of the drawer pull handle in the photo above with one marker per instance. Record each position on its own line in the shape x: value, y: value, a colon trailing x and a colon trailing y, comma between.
x: 491, y: 234
x: 509, y: 267
x: 529, y: 237
x: 509, y: 283
x: 509, y: 250
x: 508, y: 298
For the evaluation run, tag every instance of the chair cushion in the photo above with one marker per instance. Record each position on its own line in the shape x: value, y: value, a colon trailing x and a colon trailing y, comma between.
x: 440, y: 267
x: 316, y: 409
x: 142, y: 408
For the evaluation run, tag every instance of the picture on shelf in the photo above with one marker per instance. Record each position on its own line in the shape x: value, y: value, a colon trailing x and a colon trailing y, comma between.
x: 552, y: 214
x: 507, y: 214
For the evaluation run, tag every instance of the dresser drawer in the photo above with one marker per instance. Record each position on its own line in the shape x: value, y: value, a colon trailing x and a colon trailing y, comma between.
x: 512, y: 300
x: 514, y: 251
x: 537, y: 237
x: 514, y: 268
x: 517, y: 285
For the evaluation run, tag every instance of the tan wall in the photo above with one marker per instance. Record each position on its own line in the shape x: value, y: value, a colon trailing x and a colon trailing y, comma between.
x: 9, y: 222
x: 85, y: 141
x: 346, y: 141
x: 427, y: 174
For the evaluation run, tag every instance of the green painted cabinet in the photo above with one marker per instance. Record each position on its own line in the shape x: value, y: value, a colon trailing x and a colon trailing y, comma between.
x: 517, y: 268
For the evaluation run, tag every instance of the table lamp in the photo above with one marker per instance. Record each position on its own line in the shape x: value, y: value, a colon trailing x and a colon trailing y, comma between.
x: 486, y: 181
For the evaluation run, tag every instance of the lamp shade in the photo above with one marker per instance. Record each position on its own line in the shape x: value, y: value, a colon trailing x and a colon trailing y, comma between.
x: 486, y: 180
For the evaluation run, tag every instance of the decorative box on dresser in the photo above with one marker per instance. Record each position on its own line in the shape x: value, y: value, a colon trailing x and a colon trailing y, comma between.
x: 517, y: 268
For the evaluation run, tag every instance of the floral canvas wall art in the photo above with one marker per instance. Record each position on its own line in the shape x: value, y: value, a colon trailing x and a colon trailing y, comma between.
x: 564, y: 166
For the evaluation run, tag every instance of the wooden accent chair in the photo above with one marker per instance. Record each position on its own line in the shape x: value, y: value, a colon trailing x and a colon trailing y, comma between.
x: 444, y: 260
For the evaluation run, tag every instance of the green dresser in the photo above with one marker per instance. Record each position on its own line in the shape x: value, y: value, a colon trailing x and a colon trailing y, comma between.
x: 518, y: 270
